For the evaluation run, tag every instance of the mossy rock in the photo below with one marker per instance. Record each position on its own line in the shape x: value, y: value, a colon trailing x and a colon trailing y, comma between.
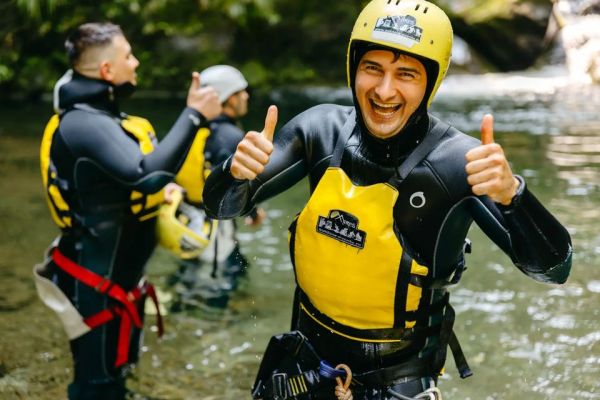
x: 507, y: 34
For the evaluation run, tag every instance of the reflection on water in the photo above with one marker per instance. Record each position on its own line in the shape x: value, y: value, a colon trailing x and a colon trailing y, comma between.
x: 547, y: 341
x: 523, y: 339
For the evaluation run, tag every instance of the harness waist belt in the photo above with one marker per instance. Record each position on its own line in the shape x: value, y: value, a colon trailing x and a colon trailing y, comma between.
x: 368, y: 335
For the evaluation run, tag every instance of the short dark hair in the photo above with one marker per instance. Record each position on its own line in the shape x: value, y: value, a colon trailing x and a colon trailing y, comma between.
x: 91, y: 34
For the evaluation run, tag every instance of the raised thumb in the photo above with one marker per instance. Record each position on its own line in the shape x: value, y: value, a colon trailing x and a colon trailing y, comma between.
x: 195, y: 81
x: 487, y: 129
x: 270, y: 123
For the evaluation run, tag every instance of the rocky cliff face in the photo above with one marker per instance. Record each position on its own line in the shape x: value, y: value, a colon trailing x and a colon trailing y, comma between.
x: 508, y: 34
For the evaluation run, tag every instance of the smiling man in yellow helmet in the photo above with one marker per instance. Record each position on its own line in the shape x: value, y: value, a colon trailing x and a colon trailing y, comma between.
x: 394, y: 191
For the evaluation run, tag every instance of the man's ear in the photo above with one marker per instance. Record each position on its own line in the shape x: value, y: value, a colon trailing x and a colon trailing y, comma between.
x: 106, y: 72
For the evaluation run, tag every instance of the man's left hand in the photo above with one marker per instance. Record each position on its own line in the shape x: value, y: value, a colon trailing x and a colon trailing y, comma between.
x: 488, y: 171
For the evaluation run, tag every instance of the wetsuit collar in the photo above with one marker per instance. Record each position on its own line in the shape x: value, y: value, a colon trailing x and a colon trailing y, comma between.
x: 392, y: 151
x: 96, y: 92
x: 225, y: 118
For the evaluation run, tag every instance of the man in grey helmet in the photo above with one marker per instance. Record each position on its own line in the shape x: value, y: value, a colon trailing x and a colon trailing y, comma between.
x: 223, y: 262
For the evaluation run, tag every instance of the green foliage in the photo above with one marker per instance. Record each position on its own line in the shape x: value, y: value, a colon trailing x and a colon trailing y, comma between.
x: 273, y: 42
x: 34, y: 8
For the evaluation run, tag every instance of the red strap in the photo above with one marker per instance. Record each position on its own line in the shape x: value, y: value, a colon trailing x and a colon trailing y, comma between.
x: 102, y: 317
x: 127, y: 301
x: 99, y: 283
x: 124, y: 338
x: 152, y: 294
x: 124, y: 329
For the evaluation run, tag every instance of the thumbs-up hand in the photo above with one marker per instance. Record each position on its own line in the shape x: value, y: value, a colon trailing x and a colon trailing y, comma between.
x: 205, y: 100
x: 488, y: 171
x: 254, y: 151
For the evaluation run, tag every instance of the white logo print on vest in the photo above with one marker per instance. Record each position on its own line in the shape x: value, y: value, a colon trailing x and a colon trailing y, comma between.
x: 342, y: 226
x: 417, y: 200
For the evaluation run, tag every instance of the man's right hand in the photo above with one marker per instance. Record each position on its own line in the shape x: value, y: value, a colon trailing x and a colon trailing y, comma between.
x: 254, y: 151
x: 205, y: 100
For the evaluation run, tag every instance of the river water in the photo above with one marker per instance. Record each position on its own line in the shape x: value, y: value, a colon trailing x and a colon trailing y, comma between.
x: 523, y: 339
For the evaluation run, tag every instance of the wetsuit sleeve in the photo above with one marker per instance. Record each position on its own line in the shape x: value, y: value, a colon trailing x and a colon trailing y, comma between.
x: 226, y: 197
x: 535, y: 240
x: 542, y: 246
x: 222, y: 143
x: 103, y: 144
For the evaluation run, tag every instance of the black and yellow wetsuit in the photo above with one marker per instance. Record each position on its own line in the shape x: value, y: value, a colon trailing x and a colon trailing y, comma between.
x: 102, y: 169
x: 382, y: 236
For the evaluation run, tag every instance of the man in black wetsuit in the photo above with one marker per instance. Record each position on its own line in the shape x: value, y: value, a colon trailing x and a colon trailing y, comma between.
x: 214, y: 275
x: 393, y: 193
x: 104, y: 172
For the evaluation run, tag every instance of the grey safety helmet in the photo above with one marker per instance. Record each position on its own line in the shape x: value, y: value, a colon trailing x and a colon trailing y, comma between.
x: 226, y: 80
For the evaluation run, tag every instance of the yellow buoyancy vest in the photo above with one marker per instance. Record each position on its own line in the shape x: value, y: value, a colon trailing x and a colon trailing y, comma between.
x: 194, y: 170
x: 144, y: 206
x: 348, y: 259
x: 355, y: 277
x: 59, y: 209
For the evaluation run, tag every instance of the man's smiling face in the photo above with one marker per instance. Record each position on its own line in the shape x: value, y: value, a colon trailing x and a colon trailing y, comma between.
x: 389, y: 89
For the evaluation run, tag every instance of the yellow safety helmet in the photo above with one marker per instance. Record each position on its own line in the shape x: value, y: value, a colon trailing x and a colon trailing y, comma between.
x: 414, y: 27
x: 184, y: 229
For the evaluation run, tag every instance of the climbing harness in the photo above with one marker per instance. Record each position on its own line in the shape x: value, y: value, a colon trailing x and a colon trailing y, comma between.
x: 343, y: 392
x: 291, y: 369
x: 125, y: 307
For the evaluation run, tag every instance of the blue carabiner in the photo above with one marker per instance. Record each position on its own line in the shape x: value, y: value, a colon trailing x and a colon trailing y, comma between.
x: 326, y: 370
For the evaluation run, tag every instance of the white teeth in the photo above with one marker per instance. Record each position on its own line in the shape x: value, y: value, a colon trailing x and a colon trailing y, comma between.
x: 384, y: 109
x: 384, y: 105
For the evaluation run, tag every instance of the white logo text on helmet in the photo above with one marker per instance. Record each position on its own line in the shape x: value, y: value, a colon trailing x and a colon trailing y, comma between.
x: 398, y: 29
